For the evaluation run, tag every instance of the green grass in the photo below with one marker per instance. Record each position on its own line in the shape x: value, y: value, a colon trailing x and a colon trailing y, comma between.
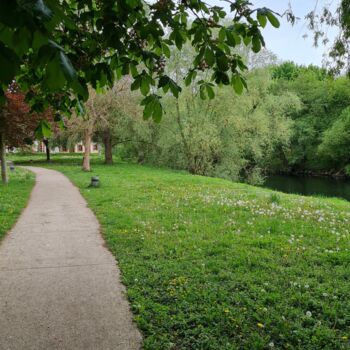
x: 14, y: 197
x: 56, y: 158
x: 211, y: 264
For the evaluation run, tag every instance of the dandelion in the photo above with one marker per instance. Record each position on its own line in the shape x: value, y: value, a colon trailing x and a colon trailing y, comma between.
x: 260, y: 325
x: 271, y: 344
x: 308, y: 314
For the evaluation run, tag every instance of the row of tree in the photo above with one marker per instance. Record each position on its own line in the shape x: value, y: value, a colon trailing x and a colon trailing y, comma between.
x: 291, y: 119
x: 320, y: 141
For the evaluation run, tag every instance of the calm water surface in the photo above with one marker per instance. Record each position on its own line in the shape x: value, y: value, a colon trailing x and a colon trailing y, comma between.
x: 310, y: 185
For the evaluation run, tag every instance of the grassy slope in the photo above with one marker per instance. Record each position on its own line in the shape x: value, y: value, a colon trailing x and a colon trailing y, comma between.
x: 211, y: 264
x: 14, y: 197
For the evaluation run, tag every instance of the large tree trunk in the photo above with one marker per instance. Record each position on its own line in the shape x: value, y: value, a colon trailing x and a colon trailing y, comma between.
x: 47, y: 148
x: 87, y: 146
x: 107, y: 141
x: 4, y: 176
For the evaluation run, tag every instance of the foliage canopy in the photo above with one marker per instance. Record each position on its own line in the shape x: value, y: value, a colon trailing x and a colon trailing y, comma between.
x: 56, y: 49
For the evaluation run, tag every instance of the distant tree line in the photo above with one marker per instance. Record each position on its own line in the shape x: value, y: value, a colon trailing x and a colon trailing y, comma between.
x: 292, y: 119
x: 320, y: 140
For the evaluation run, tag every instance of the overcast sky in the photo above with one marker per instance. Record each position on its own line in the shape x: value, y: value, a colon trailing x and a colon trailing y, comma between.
x: 287, y: 42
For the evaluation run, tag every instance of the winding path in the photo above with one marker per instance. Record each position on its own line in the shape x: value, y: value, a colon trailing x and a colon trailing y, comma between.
x: 59, y: 285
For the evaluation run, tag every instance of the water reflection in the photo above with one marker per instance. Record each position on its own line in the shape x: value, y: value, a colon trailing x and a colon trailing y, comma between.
x: 310, y: 185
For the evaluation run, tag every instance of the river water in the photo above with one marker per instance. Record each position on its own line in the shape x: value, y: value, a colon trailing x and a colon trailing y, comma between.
x: 304, y: 185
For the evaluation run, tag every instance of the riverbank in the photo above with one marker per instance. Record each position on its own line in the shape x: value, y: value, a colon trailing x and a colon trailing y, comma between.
x: 310, y: 186
x: 335, y: 174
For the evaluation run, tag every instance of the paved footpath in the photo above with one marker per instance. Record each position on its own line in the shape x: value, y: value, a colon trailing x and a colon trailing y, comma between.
x: 59, y: 285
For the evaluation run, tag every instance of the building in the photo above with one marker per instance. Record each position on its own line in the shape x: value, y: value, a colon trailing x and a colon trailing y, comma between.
x: 39, y: 146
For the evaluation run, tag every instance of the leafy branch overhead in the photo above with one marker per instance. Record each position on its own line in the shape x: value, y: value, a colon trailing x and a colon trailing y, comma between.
x: 55, y: 50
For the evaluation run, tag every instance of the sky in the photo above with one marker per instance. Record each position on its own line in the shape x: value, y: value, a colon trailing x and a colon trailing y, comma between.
x: 287, y: 42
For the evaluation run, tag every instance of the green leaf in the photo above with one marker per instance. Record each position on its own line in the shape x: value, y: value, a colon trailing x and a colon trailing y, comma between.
x: 222, y: 63
x: 133, y: 70
x: 222, y: 34
x: 132, y: 3
x: 54, y: 77
x: 144, y: 86
x: 262, y: 19
x: 166, y: 50
x: 174, y: 88
x: 9, y: 64
x: 136, y: 84
x: 179, y: 40
x: 39, y: 39
x: 59, y: 15
x: 210, y: 91
x: 80, y: 89
x: 167, y: 83
x: 147, y: 111
x: 221, y: 78
x: 233, y: 38
x: 209, y: 56
x: 273, y: 19
x: 237, y: 84
x: 67, y: 67
x: 190, y: 77
x: 256, y: 44
x: 22, y: 41
x: 247, y: 40
x: 153, y: 108
x: 202, y: 92
x: 43, y: 130
x: 157, y: 112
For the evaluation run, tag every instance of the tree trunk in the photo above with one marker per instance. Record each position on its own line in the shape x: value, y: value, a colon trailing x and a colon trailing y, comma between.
x: 183, y: 138
x: 47, y: 148
x: 4, y: 176
x: 107, y: 141
x: 87, y: 146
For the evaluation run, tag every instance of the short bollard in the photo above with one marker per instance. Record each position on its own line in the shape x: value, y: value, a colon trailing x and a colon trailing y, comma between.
x: 12, y: 167
x: 95, y: 182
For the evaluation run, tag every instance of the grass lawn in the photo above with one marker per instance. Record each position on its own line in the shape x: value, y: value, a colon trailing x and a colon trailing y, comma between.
x: 14, y: 197
x: 211, y: 264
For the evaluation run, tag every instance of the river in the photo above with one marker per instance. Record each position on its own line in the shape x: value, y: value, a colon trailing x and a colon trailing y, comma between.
x: 324, y: 186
